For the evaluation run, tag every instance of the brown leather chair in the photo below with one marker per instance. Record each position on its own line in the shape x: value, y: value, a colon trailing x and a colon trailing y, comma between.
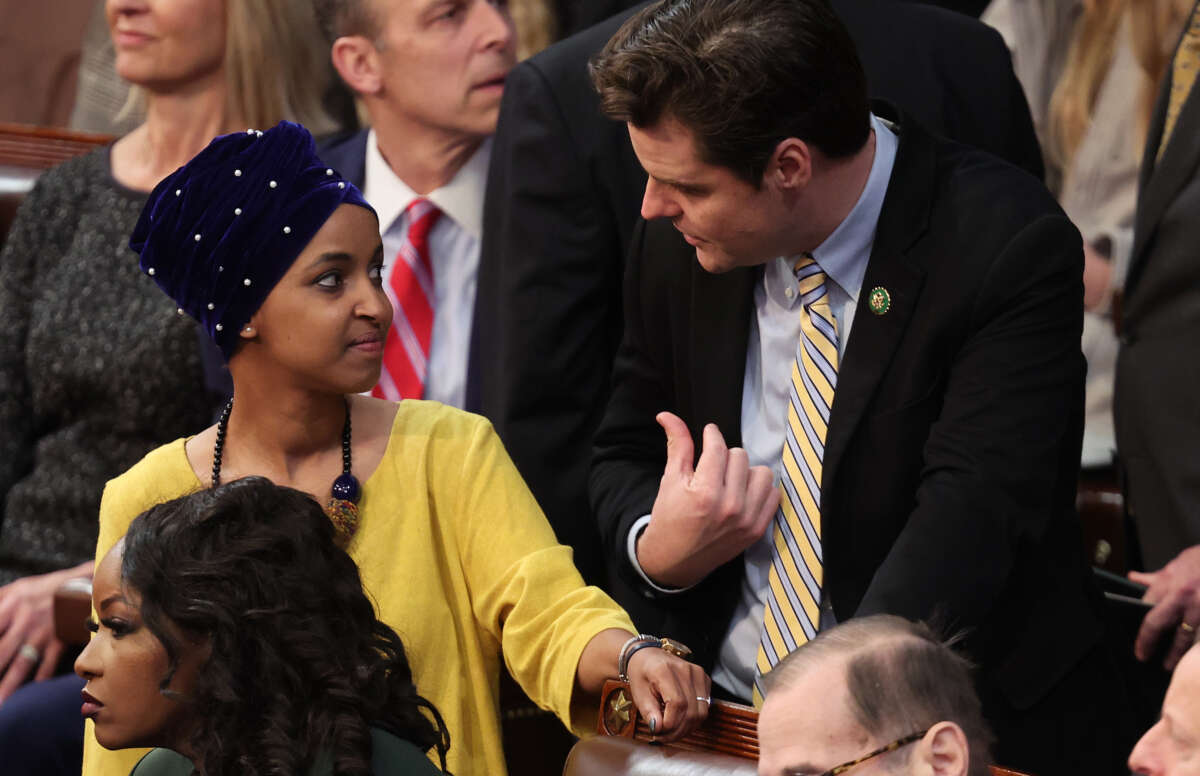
x: 72, y: 608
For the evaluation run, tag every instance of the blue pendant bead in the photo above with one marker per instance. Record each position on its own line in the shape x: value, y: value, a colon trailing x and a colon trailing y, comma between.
x: 346, y: 488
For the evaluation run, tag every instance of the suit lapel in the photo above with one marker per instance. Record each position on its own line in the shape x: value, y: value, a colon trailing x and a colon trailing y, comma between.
x: 1161, y: 179
x: 721, y: 309
x: 348, y: 155
x: 874, y: 338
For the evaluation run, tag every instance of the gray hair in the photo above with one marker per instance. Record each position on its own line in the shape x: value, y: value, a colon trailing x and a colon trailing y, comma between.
x: 901, y: 677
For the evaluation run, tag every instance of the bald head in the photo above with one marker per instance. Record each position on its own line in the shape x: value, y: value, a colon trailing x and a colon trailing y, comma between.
x: 872, y: 680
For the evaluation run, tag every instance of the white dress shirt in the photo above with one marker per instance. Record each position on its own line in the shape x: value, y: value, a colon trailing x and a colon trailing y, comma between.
x: 454, y: 252
x: 771, y: 350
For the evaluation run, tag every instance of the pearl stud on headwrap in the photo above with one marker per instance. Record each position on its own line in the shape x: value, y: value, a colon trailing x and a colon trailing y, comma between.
x: 212, y: 213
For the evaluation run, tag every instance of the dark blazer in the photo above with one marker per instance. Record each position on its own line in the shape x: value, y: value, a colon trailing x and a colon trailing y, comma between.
x: 1156, y: 410
x: 347, y: 153
x: 563, y: 196
x: 952, y: 452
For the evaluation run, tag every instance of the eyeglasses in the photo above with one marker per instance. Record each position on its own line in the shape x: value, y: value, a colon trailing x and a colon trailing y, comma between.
x: 899, y: 742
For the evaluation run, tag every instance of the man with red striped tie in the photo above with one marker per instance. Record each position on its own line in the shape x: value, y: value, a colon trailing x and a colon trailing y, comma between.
x: 430, y: 74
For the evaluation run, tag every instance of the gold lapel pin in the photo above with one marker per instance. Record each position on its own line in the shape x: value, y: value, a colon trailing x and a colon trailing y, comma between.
x: 880, y: 301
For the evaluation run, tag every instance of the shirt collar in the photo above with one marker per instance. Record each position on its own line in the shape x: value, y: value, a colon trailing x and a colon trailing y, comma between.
x: 845, y: 253
x: 461, y: 198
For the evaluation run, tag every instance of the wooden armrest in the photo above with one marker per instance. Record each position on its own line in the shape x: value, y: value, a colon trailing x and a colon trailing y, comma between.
x: 72, y: 607
x: 731, y: 728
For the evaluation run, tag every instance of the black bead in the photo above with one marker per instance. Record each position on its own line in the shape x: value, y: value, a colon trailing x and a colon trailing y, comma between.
x: 346, y: 488
x: 219, y: 447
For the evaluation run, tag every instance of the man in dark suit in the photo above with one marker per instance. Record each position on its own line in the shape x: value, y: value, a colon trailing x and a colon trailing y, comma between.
x: 887, y: 322
x: 562, y: 200
x: 1156, y: 409
x: 431, y: 80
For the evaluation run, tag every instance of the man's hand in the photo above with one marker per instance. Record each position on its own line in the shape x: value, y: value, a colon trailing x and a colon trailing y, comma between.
x: 705, y: 516
x: 1175, y: 592
x: 27, y: 620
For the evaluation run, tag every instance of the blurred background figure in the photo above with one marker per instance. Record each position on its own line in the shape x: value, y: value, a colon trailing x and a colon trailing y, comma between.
x: 96, y: 368
x: 102, y: 97
x: 1090, y: 70
x: 431, y: 89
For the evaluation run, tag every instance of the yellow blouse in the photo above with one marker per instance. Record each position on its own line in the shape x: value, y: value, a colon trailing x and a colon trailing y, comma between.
x: 458, y: 559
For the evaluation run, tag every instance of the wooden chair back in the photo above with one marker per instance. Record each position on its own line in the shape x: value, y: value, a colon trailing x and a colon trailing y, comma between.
x: 39, y: 148
x: 25, y: 152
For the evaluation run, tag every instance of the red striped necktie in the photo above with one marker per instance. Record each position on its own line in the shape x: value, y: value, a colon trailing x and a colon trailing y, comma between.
x: 410, y: 288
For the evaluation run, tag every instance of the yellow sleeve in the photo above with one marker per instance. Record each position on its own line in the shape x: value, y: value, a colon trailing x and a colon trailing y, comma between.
x: 525, y: 589
x: 153, y: 480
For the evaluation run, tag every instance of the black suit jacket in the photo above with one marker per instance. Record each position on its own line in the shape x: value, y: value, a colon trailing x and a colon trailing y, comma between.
x: 1155, y: 404
x: 563, y: 196
x: 952, y: 452
x: 347, y: 153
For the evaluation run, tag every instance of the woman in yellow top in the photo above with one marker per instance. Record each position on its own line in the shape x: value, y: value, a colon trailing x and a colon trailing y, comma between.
x: 280, y: 260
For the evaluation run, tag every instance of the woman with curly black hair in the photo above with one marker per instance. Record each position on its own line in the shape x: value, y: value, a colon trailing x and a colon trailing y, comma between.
x: 234, y: 632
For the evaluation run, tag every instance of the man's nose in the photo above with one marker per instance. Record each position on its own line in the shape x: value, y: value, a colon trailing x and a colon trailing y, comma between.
x: 657, y: 202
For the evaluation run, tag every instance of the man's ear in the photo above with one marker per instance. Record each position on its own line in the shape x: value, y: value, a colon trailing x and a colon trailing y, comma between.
x: 357, y: 61
x: 790, y: 166
x: 942, y: 752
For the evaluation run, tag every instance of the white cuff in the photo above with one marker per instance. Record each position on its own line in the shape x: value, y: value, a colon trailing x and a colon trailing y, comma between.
x: 635, y: 531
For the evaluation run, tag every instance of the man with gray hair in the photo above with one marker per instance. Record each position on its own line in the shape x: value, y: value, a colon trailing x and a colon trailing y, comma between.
x: 894, y: 699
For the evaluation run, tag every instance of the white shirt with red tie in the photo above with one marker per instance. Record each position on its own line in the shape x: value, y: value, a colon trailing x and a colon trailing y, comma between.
x: 454, y: 245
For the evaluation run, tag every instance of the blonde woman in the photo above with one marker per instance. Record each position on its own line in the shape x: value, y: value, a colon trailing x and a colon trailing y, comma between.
x: 1090, y: 70
x: 95, y: 366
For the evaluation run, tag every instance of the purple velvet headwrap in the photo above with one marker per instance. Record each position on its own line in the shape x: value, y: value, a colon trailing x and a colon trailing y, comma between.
x: 218, y: 233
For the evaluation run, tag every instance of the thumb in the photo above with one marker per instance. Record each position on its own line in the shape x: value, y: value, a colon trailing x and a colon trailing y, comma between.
x: 680, y: 450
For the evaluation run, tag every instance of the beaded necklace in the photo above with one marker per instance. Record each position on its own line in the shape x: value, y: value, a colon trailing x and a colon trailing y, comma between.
x: 343, y: 495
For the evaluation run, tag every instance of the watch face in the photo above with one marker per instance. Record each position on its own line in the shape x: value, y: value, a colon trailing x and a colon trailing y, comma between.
x: 676, y: 648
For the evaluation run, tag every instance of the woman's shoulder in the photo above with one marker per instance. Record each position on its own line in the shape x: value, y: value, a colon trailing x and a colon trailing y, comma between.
x: 163, y: 474
x: 419, y: 417
x: 393, y: 756
x: 433, y: 436
x: 59, y: 196
x: 74, y: 179
x: 162, y: 762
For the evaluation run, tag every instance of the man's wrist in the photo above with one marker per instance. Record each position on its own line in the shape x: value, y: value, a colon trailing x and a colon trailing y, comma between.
x: 635, y: 534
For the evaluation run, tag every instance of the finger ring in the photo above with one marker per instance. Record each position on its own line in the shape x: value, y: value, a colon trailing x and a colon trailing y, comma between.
x: 704, y: 699
x: 1187, y: 628
x: 30, y: 653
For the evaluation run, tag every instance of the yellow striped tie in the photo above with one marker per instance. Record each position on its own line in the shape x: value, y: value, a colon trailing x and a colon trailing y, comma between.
x: 1183, y: 76
x: 793, y: 610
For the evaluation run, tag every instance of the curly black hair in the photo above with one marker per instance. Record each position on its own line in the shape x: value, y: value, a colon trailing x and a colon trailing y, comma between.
x: 299, y: 664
